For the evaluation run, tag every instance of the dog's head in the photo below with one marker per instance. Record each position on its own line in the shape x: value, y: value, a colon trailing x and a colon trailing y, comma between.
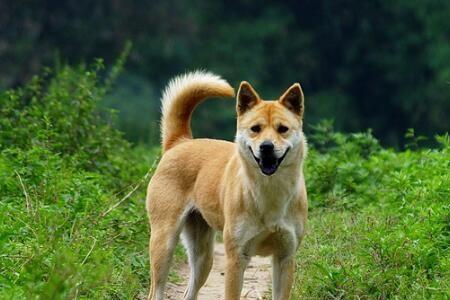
x: 269, y: 133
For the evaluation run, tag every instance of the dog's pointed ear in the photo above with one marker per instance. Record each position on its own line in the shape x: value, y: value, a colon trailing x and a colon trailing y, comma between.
x: 246, y: 98
x: 293, y: 99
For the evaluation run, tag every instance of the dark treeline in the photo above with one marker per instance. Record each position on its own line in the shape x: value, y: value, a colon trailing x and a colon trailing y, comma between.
x: 383, y: 65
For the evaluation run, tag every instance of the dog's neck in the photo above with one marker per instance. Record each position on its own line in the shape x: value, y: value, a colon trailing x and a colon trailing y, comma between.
x: 271, y: 196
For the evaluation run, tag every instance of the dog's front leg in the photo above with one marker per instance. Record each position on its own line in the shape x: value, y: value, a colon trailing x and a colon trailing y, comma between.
x: 234, y: 275
x: 234, y: 272
x: 283, y: 277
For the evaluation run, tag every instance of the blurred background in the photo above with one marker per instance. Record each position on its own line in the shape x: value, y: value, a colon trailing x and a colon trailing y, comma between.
x: 383, y: 65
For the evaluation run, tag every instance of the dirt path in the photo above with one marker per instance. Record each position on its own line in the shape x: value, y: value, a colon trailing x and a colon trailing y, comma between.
x: 257, y: 279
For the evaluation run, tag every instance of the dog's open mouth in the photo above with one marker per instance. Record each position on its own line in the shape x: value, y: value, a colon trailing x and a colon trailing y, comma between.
x: 269, y: 163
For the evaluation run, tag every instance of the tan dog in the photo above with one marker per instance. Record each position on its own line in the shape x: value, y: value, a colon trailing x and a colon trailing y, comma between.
x: 253, y: 190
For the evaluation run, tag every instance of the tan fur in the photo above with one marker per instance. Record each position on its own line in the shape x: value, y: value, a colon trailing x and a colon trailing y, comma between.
x: 181, y: 97
x: 203, y: 185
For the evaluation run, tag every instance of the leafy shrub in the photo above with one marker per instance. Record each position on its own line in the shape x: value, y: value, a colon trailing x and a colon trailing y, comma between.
x: 394, y: 241
x: 68, y: 228
x: 60, y: 112
x: 340, y: 166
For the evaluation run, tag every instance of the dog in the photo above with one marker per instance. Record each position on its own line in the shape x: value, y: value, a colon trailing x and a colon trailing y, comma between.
x: 252, y: 190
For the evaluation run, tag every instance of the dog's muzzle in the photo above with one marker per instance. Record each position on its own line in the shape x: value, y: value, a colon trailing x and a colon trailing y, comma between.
x: 268, y: 162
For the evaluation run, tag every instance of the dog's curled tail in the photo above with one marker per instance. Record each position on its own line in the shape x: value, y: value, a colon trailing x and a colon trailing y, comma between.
x: 179, y: 99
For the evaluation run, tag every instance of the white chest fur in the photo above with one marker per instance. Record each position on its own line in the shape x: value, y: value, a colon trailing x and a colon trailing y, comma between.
x: 270, y: 215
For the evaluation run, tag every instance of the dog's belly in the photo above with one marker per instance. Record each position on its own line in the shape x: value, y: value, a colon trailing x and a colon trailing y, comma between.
x: 267, y: 246
x: 213, y: 216
x: 276, y: 243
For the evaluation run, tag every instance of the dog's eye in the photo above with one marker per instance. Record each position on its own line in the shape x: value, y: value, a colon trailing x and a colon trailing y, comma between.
x: 282, y: 129
x: 255, y: 128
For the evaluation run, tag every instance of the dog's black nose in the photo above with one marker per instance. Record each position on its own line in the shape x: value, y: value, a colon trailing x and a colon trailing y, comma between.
x: 266, y: 147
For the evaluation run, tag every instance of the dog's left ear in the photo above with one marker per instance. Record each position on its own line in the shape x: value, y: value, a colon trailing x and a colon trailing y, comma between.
x: 293, y: 99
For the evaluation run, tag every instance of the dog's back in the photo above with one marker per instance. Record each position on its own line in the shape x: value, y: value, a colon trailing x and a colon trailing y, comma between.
x: 185, y: 160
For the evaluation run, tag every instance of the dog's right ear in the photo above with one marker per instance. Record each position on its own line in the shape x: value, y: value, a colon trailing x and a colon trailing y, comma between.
x: 246, y: 98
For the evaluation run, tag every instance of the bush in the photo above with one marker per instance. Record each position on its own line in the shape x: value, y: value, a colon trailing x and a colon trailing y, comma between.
x: 68, y: 228
x: 380, y: 221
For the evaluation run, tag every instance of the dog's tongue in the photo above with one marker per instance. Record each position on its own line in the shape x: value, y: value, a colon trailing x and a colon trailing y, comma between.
x: 268, y: 165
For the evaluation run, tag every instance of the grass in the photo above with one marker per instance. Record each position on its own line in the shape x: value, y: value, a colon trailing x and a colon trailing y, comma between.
x: 379, y: 223
x: 68, y: 228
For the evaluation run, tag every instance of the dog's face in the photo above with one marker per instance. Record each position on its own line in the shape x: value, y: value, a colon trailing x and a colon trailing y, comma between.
x: 269, y: 133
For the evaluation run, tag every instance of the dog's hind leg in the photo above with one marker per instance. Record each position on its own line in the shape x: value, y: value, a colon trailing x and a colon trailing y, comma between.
x: 163, y: 239
x: 162, y: 245
x: 198, y: 239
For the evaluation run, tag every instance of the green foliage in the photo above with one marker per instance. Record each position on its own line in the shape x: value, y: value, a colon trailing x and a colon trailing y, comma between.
x: 380, y: 220
x: 60, y: 113
x: 342, y: 165
x: 138, y: 108
x: 366, y: 64
x: 72, y: 212
x: 67, y: 227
